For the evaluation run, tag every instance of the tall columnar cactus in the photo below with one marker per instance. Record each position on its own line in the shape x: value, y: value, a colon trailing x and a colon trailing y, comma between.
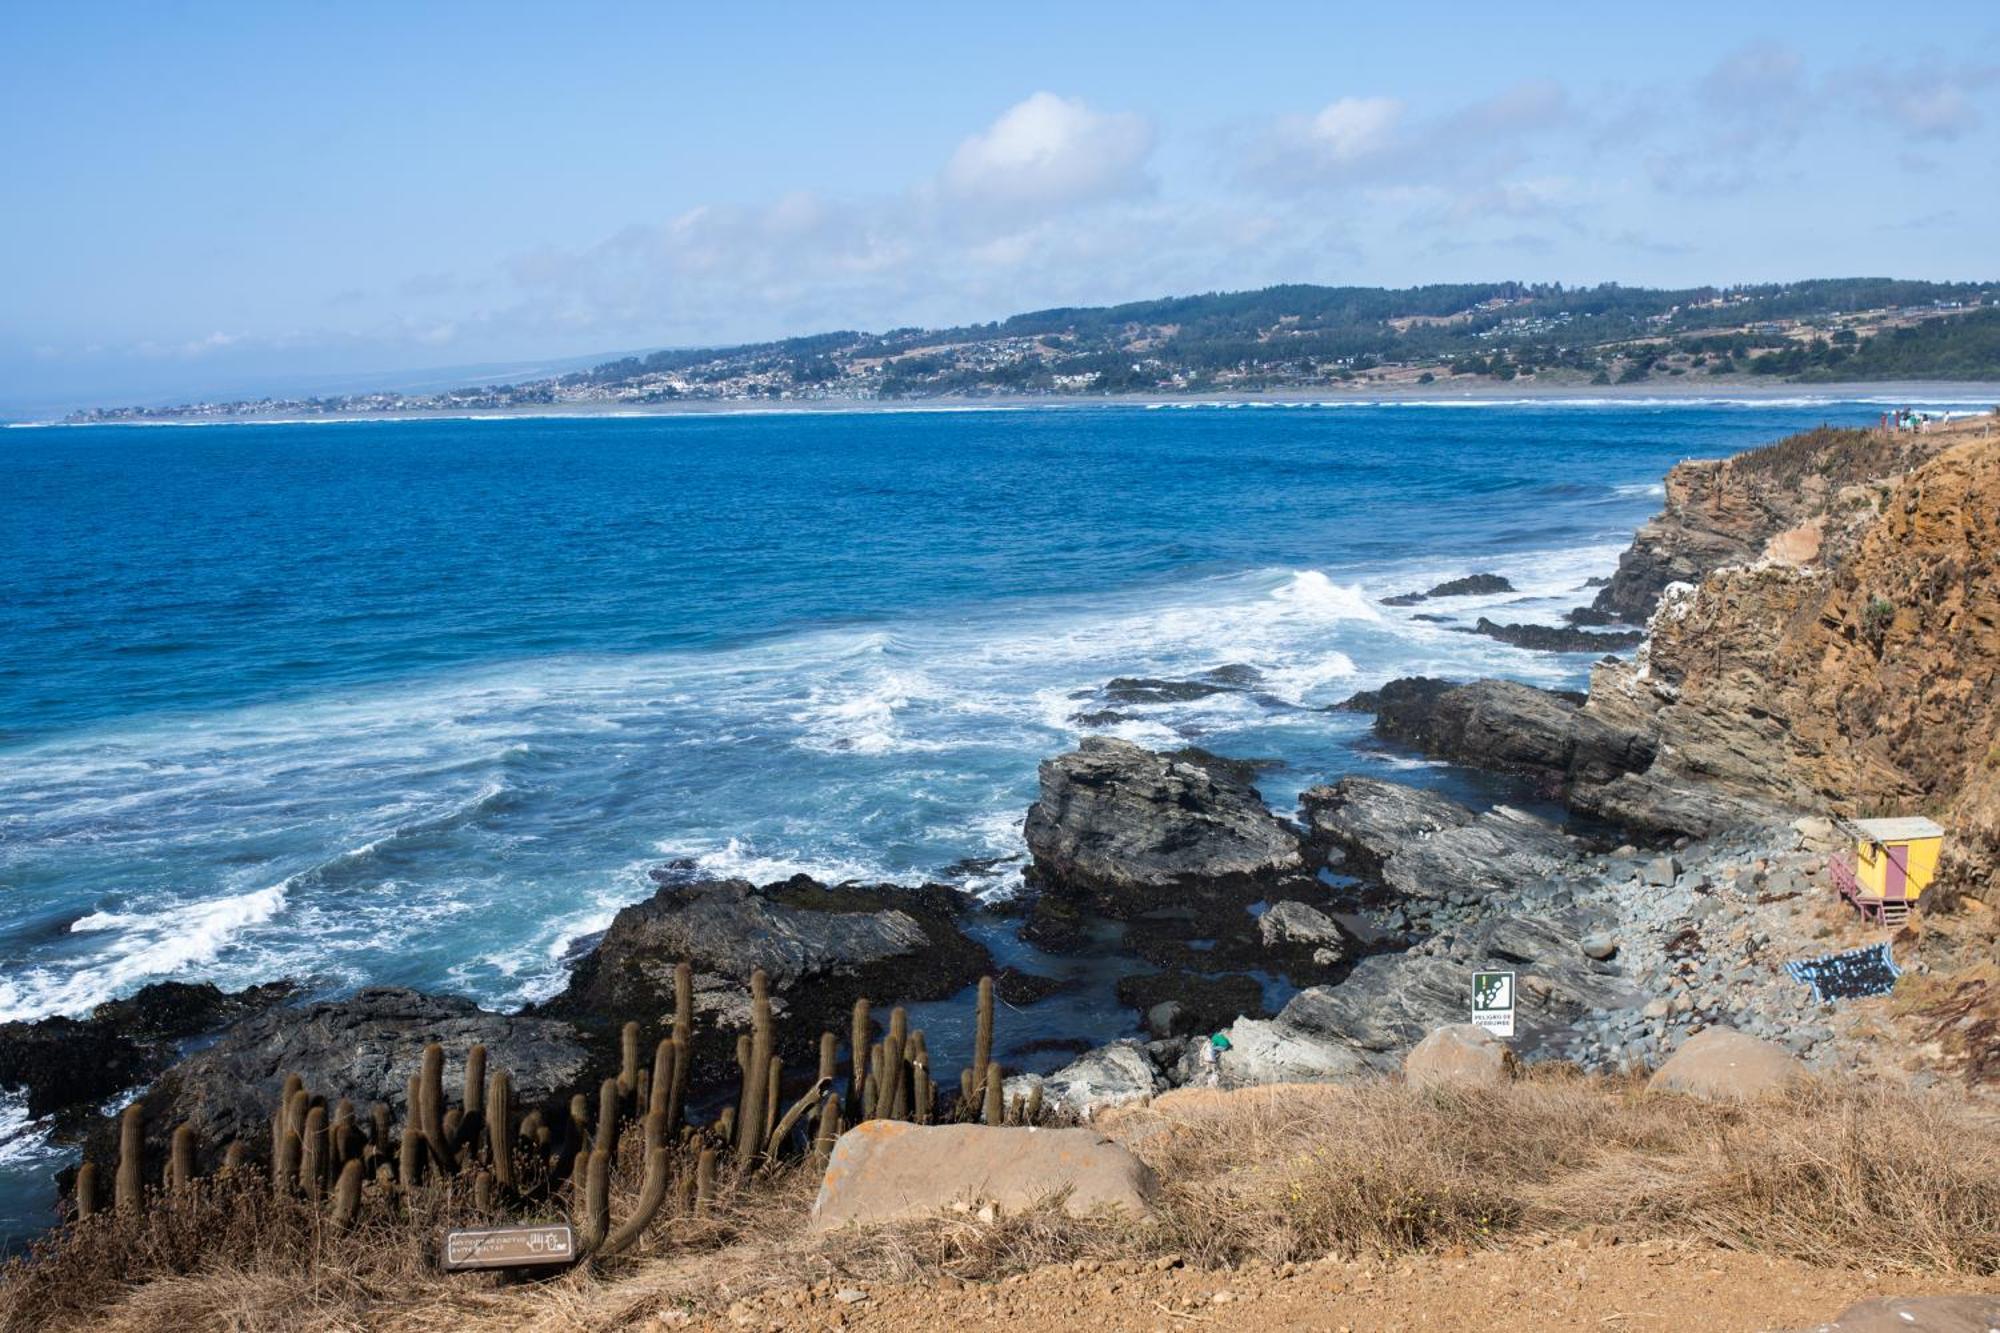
x: 131, y: 1195
x: 430, y: 1108
x: 996, y: 1105
x: 342, y: 1140
x: 234, y: 1157
x: 410, y: 1147
x: 86, y: 1190
x: 982, y: 1033
x: 607, y: 1117
x: 180, y: 1159
x: 312, y: 1157
x: 660, y: 1087
x: 652, y: 1189
x: 1031, y: 1114
x: 500, y: 1127
x: 347, y: 1195
x: 471, y: 1124
x: 753, y: 1117
x: 829, y: 1058
x: 782, y: 1129
x: 628, y: 1061
x: 827, y: 1129
x: 893, y: 1101
x: 857, y: 1068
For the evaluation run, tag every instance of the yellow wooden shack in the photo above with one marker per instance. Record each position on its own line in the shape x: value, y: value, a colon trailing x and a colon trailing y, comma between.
x: 1892, y: 863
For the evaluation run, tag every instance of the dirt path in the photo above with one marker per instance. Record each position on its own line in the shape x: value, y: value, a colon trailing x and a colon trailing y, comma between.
x: 1559, y: 1285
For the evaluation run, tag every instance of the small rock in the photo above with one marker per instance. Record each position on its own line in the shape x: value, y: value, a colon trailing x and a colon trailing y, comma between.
x: 1599, y: 945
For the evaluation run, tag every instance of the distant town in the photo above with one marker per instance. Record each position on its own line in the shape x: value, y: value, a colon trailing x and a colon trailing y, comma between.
x: 1280, y: 339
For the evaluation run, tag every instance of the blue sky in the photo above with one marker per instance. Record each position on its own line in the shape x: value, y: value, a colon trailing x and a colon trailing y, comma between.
x: 208, y: 197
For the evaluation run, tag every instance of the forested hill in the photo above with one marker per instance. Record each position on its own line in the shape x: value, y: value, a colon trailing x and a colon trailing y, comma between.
x: 1302, y: 337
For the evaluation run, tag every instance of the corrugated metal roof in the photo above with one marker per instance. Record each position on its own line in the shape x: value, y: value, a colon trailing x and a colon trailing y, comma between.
x: 1898, y: 830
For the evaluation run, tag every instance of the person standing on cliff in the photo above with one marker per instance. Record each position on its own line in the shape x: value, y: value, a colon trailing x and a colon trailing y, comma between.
x: 1211, y: 1059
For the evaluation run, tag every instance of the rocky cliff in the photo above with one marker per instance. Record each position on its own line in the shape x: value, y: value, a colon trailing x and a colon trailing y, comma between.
x: 1849, y: 660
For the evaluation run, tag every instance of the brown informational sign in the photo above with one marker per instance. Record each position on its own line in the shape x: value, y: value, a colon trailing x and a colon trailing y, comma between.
x: 509, y: 1247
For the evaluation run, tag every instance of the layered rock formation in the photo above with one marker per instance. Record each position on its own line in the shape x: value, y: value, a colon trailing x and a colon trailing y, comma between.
x: 1858, y: 671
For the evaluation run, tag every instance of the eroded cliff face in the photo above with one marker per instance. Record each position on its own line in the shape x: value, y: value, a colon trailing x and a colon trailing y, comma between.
x: 1727, y: 511
x: 1851, y: 661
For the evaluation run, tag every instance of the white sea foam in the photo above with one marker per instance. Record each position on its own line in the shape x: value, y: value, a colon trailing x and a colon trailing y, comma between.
x: 142, y: 945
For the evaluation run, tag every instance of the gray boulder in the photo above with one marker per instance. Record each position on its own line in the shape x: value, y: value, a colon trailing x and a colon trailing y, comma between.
x: 1122, y: 829
x: 1293, y: 924
x: 1108, y: 1076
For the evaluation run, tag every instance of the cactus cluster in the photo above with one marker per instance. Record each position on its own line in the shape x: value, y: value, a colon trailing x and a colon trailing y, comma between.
x: 327, y: 1156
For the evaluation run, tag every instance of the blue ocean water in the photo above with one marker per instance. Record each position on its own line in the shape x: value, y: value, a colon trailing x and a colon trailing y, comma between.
x: 420, y: 702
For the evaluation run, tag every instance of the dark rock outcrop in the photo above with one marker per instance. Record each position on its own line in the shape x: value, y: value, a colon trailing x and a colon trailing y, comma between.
x: 1120, y: 829
x: 1390, y: 1001
x: 822, y: 948
x: 1427, y: 848
x: 71, y: 1066
x: 1203, y: 1003
x: 1508, y: 727
x: 1472, y: 585
x: 364, y: 1047
x: 1558, y: 638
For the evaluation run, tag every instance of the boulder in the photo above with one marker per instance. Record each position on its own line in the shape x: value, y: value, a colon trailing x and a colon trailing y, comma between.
x: 1509, y: 727
x: 1120, y: 829
x: 364, y: 1047
x: 1293, y: 924
x: 885, y: 1170
x: 1459, y: 1053
x: 1271, y: 1051
x: 1723, y: 1064
x: 1108, y: 1076
x: 1600, y: 945
x: 1917, y: 1314
x: 821, y: 947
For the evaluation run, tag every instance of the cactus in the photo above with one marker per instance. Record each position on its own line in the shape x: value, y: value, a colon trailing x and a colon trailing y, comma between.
x: 410, y: 1148
x: 312, y: 1155
x: 430, y: 1108
x: 660, y: 1086
x: 982, y: 1033
x: 628, y: 1061
x: 857, y: 1055
x: 773, y: 1080
x: 482, y: 1192
x: 500, y: 1127
x: 677, y: 1094
x: 704, y: 1180
x: 725, y: 1124
x: 826, y: 1128
x: 86, y: 1190
x: 893, y: 1101
x: 607, y: 1117
x: 130, y: 1186
x: 233, y: 1158
x: 652, y: 1191
x: 285, y: 1165
x: 180, y: 1159
x: 829, y: 1058
x: 996, y: 1107
x: 1031, y: 1114
x: 347, y: 1195
x: 782, y: 1130
x: 340, y: 1136
x: 471, y: 1124
x: 753, y: 1119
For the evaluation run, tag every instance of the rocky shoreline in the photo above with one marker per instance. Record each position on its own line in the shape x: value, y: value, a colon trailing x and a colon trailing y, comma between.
x: 1689, y: 870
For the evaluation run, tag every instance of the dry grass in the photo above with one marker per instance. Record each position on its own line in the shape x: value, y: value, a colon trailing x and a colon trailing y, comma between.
x: 1829, y: 1175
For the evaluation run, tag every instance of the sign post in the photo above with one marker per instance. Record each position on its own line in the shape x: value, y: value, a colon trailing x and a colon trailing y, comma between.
x: 509, y: 1247
x: 1493, y: 1002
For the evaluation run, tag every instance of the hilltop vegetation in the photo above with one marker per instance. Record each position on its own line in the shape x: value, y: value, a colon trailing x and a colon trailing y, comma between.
x: 1300, y: 337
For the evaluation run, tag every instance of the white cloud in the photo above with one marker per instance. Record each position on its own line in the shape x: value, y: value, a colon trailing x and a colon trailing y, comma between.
x: 1354, y: 128
x: 1051, y: 152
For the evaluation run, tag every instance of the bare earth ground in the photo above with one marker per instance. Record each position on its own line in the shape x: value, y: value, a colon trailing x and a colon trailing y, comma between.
x: 1561, y: 1284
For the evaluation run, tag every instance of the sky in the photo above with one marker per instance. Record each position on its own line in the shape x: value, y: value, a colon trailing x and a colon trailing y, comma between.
x: 203, y: 199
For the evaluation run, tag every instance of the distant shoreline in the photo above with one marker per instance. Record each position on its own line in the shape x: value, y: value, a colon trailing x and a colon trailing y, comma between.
x: 1956, y: 393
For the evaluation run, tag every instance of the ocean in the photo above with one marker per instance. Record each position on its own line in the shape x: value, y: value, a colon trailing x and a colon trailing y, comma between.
x: 420, y: 702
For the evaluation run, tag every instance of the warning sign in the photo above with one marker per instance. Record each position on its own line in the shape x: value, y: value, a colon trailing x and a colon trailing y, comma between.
x: 1493, y: 1002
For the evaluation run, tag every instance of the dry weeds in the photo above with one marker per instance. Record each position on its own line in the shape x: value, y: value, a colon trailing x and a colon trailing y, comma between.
x: 1830, y: 1175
